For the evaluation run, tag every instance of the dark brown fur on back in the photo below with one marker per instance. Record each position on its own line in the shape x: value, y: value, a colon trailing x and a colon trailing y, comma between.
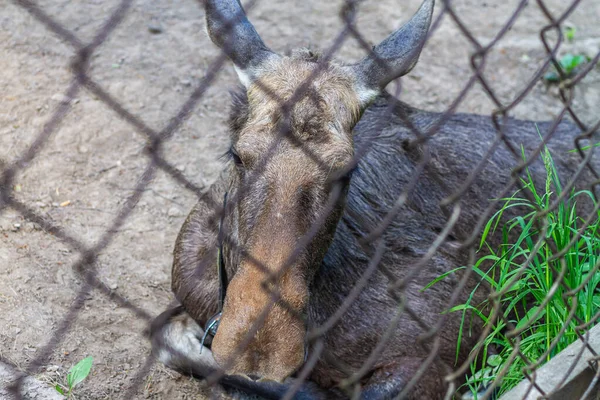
x: 377, y: 182
x: 295, y: 220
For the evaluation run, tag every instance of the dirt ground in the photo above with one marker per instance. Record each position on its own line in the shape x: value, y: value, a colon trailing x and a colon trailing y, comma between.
x: 82, y: 176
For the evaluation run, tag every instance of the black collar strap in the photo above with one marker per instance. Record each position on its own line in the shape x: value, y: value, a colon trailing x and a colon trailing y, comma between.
x: 213, y: 323
x: 220, y: 259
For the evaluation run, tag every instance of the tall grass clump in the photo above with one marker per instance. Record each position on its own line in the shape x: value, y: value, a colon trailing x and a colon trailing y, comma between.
x: 525, y: 270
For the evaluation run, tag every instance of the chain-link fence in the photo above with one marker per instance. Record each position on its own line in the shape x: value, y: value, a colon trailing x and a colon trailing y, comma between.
x: 436, y: 274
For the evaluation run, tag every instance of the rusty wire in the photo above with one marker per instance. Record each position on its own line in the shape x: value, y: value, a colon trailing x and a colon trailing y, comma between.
x: 372, y: 241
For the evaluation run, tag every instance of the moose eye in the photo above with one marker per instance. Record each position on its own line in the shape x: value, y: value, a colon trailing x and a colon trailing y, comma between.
x: 236, y: 158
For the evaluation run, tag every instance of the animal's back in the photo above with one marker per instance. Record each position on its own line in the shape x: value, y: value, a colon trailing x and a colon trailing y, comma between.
x: 382, y: 176
x: 455, y: 150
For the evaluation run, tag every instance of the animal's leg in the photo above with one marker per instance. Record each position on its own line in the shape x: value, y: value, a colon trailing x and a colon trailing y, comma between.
x: 176, y: 342
x: 389, y: 381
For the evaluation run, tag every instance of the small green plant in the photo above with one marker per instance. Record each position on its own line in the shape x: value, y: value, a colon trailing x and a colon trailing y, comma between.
x: 525, y: 289
x: 568, y: 64
x: 75, y: 376
x: 570, y: 33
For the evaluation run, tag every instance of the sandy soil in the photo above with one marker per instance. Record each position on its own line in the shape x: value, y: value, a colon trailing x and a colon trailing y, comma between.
x: 80, y: 179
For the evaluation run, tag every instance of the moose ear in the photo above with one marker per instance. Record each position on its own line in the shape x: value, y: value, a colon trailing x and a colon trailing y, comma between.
x: 229, y: 28
x: 395, y: 56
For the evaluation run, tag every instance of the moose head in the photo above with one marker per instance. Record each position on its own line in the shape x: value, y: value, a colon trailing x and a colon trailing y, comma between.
x: 291, y: 150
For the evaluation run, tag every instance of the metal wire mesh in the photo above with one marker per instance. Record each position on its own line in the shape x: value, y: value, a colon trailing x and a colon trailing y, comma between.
x: 372, y: 241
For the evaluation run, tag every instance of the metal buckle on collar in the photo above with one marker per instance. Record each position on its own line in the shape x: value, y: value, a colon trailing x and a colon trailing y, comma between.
x: 210, y: 329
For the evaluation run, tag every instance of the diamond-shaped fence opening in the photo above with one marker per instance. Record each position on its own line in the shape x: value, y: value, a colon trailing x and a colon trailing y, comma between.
x: 452, y: 254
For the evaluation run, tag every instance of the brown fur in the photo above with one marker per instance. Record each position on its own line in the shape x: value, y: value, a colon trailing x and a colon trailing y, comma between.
x: 280, y: 191
x: 271, y: 221
x: 270, y: 217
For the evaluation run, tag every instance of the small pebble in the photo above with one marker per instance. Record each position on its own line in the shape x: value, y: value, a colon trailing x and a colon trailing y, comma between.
x: 155, y: 28
x: 174, y: 212
x: 61, y: 98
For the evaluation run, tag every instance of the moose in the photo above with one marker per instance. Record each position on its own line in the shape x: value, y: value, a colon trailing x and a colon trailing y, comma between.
x: 319, y: 156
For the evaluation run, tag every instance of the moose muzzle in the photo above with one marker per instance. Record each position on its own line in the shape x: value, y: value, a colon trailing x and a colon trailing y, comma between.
x: 260, y: 336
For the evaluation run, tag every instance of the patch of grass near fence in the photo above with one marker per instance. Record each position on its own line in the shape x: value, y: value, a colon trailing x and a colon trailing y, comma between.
x: 526, y: 272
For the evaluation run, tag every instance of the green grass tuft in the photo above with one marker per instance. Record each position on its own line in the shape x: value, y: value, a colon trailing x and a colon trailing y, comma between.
x: 527, y: 272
